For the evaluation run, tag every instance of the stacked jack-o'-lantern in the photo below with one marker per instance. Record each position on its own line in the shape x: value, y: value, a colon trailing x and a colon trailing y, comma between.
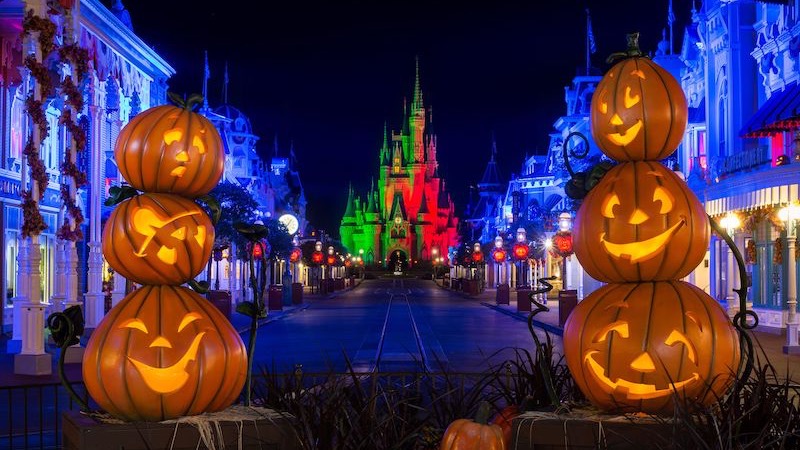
x: 646, y: 338
x: 164, y: 351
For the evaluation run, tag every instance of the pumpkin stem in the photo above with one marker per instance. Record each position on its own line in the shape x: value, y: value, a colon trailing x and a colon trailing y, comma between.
x: 633, y: 50
x: 193, y: 100
x: 176, y: 99
x: 484, y: 411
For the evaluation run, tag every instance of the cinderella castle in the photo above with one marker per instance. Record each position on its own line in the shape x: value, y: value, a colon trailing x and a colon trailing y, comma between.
x: 409, y: 216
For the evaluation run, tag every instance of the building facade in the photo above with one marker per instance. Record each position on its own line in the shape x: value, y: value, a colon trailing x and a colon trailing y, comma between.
x: 409, y: 216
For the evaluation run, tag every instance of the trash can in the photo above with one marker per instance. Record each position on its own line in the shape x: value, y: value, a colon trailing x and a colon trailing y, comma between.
x: 275, y: 302
x: 523, y: 299
x: 501, y: 298
x: 297, y: 293
x: 567, y: 300
x: 222, y: 300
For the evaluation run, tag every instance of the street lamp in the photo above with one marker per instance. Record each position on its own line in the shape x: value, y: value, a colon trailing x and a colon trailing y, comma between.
x: 730, y: 222
x: 789, y: 215
x: 521, y: 251
x: 564, y: 227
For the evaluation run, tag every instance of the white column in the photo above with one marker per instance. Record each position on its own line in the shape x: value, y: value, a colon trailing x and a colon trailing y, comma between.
x: 94, y: 297
x: 59, y: 289
x: 791, y: 291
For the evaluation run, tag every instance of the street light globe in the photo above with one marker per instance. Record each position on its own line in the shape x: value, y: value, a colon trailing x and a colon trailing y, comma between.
x: 731, y: 221
x: 564, y: 221
x: 789, y: 212
x: 548, y: 243
x: 330, y: 249
x: 318, y: 246
x: 521, y: 234
x: 498, y: 242
x: 476, y: 247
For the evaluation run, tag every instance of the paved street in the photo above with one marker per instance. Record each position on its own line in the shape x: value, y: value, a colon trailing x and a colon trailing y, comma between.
x: 396, y: 324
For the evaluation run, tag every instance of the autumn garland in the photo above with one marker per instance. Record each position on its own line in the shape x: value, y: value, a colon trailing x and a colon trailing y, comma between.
x: 78, y: 60
x: 32, y: 220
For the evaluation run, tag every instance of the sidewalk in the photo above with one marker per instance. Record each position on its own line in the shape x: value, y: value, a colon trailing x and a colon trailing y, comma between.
x: 766, y: 342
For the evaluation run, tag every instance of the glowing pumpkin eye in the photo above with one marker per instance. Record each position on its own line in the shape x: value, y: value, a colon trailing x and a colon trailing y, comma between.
x: 631, y: 100
x: 179, y: 234
x: 620, y: 327
x: 608, y: 205
x: 676, y: 337
x: 189, y: 318
x: 662, y: 195
x: 136, y: 324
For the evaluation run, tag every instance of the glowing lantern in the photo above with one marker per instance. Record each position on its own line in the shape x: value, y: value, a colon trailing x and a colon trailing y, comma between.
x: 499, y: 255
x: 563, y: 243
x: 640, y: 223
x: 640, y: 346
x: 638, y: 110
x: 331, y: 260
x: 316, y: 257
x: 521, y: 251
x: 170, y: 149
x: 164, y: 352
x: 295, y: 255
x: 257, y: 250
x: 477, y: 257
x: 158, y: 239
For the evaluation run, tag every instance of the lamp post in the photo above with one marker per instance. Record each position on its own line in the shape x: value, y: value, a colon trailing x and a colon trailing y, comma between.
x: 789, y: 215
x: 477, y: 258
x: 521, y: 254
x: 435, y: 261
x: 499, y: 256
x: 564, y: 226
x: 731, y: 222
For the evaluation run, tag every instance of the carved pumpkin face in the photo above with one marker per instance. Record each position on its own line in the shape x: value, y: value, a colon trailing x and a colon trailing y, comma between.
x: 639, y: 112
x: 631, y: 346
x: 164, y: 352
x: 640, y: 223
x: 172, y: 150
x: 158, y: 239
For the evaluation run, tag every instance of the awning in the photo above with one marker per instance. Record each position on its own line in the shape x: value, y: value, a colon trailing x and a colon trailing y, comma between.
x: 779, y: 113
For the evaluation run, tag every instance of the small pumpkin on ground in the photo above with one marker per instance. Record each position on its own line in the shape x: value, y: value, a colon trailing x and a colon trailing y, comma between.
x: 505, y: 419
x: 465, y: 434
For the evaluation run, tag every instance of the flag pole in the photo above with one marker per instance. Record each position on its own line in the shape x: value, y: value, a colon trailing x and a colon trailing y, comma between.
x: 588, y: 44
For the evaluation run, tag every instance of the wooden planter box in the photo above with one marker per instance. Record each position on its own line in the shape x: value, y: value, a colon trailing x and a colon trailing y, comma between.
x: 269, y: 431
x: 547, y: 431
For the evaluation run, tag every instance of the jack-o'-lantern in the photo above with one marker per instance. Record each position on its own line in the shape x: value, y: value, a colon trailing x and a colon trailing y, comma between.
x: 636, y: 346
x: 170, y: 149
x: 164, y: 352
x: 158, y: 239
x: 640, y: 223
x: 638, y: 111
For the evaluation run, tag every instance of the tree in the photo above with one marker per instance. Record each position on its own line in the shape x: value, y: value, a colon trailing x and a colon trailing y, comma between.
x: 237, y: 205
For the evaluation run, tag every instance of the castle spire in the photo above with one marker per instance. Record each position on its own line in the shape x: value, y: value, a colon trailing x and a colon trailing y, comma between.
x: 206, y: 76
x: 417, y: 102
x: 349, y: 210
x: 225, y: 85
x: 275, y: 145
x: 385, y: 136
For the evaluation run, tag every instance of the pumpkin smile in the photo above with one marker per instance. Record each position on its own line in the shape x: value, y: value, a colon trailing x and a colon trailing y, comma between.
x: 641, y: 250
x: 627, y: 136
x: 634, y: 391
x: 168, y: 379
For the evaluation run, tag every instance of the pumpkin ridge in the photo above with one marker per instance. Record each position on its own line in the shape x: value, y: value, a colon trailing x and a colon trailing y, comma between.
x: 200, y: 305
x: 186, y: 115
x: 713, y: 360
x: 186, y: 411
x: 645, y: 119
x: 163, y: 149
x: 667, y: 254
x: 124, y: 147
x: 111, y: 317
x: 672, y: 114
x: 122, y: 210
x: 144, y: 146
x: 617, y: 82
x: 143, y: 292
x: 694, y: 217
x: 168, y: 204
x: 681, y: 303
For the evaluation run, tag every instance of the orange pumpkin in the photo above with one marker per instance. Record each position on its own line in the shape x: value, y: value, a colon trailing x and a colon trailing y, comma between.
x: 169, y: 149
x: 164, y: 352
x: 465, y: 434
x: 638, y: 112
x: 158, y: 239
x: 640, y: 346
x: 640, y: 223
x: 505, y: 420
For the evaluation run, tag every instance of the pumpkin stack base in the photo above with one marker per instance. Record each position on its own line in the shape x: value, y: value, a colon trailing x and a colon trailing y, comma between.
x: 545, y: 431
x: 81, y: 432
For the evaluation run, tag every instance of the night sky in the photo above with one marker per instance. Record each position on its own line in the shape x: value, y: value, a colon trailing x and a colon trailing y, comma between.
x: 326, y: 75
